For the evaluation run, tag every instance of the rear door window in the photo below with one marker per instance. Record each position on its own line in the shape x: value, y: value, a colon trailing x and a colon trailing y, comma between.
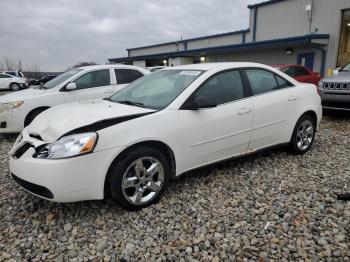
x: 126, y: 76
x: 261, y: 81
x: 282, y: 83
x: 94, y: 79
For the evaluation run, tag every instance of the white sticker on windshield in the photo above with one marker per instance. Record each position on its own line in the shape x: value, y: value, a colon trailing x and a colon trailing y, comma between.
x: 190, y: 73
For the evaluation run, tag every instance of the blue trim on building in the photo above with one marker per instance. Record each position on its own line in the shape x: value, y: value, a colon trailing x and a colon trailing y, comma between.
x: 192, y: 39
x: 255, y: 23
x: 306, y: 39
x: 264, y: 3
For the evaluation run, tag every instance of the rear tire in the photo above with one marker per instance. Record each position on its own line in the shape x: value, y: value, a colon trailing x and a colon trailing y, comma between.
x: 139, y: 178
x: 15, y: 87
x: 29, y: 119
x: 303, y: 135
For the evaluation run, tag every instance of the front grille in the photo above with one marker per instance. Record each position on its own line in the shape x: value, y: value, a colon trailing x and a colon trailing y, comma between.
x: 336, y: 86
x: 34, y: 188
x: 22, y: 150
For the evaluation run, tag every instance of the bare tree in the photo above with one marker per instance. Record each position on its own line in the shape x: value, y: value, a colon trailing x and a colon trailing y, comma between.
x: 80, y: 64
x: 9, y: 64
x: 19, y: 64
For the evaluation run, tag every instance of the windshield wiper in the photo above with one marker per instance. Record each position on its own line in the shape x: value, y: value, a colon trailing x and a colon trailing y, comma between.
x: 131, y: 103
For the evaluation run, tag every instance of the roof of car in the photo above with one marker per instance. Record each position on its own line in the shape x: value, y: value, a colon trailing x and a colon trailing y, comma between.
x: 284, y: 65
x: 108, y: 66
x: 209, y: 66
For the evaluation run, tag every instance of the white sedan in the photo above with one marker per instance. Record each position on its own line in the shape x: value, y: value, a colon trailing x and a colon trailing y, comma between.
x: 19, y: 109
x: 12, y: 82
x: 177, y: 119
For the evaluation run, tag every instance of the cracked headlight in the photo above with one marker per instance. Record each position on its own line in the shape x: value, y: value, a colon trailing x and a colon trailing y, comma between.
x: 69, y: 146
x: 10, y: 105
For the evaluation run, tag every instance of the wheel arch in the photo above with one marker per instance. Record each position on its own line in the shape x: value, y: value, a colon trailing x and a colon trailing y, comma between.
x: 159, y: 145
x: 41, y: 108
x: 311, y: 113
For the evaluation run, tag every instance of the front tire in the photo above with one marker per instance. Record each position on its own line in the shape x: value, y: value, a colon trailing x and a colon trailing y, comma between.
x: 303, y: 135
x: 15, y: 87
x: 139, y: 178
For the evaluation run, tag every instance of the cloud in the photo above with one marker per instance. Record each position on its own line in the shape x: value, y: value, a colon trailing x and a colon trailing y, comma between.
x: 57, y: 34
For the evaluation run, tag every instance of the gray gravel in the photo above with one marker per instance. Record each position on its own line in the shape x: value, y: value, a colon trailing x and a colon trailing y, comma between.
x: 270, y: 206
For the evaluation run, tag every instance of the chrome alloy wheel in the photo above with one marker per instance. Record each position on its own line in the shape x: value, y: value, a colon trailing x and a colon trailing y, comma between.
x: 305, y: 135
x: 143, y: 180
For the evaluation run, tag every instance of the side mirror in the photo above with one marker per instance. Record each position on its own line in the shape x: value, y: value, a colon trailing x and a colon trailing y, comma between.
x: 200, y: 102
x: 71, y: 86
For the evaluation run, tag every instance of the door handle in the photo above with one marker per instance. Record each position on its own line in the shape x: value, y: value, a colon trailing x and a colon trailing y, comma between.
x: 244, y: 111
x: 292, y: 98
x: 109, y: 91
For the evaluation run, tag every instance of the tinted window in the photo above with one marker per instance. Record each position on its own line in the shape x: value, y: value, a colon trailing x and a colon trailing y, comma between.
x: 282, y: 83
x: 126, y: 76
x: 93, y: 79
x: 11, y: 73
x: 261, y: 81
x: 4, y: 76
x: 223, y: 88
x: 294, y: 71
x: 289, y: 71
x: 300, y: 71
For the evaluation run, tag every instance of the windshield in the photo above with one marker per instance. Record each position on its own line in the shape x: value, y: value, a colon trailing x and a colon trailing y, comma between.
x: 156, y: 90
x: 346, y: 68
x: 61, y: 78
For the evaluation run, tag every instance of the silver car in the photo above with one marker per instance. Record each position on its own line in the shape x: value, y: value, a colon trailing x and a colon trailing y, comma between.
x: 335, y: 90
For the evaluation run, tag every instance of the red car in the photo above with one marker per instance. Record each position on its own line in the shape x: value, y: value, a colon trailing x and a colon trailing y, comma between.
x: 300, y: 73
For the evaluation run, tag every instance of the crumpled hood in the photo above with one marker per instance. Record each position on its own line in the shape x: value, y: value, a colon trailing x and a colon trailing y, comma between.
x: 21, y: 95
x: 59, y: 120
x: 340, y: 77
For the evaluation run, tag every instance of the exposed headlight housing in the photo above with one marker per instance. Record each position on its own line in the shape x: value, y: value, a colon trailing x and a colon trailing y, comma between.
x: 69, y: 146
x: 10, y: 105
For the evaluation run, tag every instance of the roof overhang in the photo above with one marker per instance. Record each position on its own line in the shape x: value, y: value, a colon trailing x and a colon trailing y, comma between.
x: 321, y: 39
x: 264, y: 3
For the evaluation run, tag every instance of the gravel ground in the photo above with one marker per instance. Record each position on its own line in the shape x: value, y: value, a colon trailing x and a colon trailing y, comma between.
x: 268, y: 207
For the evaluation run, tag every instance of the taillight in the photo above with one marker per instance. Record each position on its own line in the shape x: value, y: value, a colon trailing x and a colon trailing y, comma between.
x: 318, y: 86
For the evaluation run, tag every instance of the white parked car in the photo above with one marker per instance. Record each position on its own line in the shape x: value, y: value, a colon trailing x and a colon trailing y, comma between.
x: 18, y: 110
x: 11, y: 82
x: 167, y: 123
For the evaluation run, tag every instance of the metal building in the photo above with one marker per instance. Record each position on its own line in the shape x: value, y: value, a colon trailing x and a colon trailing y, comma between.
x: 314, y: 33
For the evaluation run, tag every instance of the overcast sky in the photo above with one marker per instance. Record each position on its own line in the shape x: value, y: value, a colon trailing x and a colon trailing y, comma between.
x: 55, y: 34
